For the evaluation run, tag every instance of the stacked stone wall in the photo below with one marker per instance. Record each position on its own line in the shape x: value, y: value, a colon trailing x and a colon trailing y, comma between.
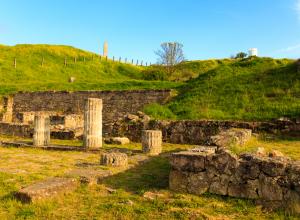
x: 273, y: 182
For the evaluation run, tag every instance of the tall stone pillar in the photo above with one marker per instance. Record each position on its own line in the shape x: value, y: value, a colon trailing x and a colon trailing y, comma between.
x: 151, y: 142
x: 41, y: 136
x: 92, y: 136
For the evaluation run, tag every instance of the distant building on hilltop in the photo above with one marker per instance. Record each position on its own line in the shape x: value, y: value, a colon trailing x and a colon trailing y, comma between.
x: 105, y: 49
x: 253, y: 52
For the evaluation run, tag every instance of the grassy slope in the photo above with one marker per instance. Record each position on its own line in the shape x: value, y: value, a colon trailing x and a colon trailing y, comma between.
x: 251, y: 89
x: 92, y: 74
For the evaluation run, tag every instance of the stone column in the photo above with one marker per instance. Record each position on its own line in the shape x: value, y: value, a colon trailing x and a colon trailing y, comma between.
x: 92, y: 136
x: 41, y: 136
x: 151, y: 142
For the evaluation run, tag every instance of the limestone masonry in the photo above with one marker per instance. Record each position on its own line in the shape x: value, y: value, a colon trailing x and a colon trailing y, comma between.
x: 273, y: 182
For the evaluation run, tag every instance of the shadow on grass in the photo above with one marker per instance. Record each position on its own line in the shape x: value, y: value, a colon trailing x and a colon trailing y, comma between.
x: 152, y: 174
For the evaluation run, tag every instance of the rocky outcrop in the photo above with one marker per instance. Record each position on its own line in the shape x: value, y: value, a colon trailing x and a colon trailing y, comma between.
x: 273, y: 182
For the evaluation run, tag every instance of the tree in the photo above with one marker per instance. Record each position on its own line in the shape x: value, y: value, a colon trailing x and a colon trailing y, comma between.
x: 241, y: 55
x: 170, y: 54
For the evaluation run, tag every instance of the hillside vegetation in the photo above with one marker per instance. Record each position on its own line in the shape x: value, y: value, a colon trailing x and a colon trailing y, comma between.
x: 91, y: 74
x: 242, y: 89
x: 248, y: 89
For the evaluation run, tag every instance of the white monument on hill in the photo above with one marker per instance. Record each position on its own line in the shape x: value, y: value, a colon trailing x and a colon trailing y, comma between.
x: 253, y: 52
x: 105, y: 49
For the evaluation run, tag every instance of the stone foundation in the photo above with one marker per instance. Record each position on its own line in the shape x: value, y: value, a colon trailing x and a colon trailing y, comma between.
x: 272, y: 182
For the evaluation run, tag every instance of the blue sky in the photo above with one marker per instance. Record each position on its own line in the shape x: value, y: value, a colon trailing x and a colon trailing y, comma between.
x: 135, y: 28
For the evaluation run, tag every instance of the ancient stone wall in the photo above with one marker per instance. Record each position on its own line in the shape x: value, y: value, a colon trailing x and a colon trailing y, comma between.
x: 116, y: 104
x: 273, y: 182
x: 198, y: 131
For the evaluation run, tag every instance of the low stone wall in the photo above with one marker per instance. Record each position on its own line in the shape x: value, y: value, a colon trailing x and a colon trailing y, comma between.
x: 197, y: 131
x: 273, y: 182
x: 26, y: 131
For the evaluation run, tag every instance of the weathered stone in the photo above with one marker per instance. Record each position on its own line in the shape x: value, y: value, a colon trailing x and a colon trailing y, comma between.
x: 249, y: 167
x: 47, y: 188
x: 132, y: 117
x: 41, y: 135
x: 274, y: 182
x: 92, y: 137
x: 197, y: 183
x: 269, y: 189
x: 247, y: 189
x: 152, y: 142
x: 178, y: 181
x: 275, y: 153
x: 117, y: 140
x: 219, y: 185
x: 261, y: 152
x: 188, y: 161
x: 273, y: 167
x: 114, y: 159
x: 224, y: 162
x: 89, y: 176
x: 72, y: 79
x: 231, y: 137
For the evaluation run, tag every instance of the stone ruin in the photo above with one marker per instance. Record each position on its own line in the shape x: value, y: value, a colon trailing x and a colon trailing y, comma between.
x: 272, y: 182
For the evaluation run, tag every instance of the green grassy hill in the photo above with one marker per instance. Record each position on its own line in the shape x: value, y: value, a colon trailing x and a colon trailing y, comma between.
x: 91, y: 74
x: 248, y: 89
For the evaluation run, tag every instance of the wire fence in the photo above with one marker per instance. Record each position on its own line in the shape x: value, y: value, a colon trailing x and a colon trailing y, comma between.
x: 83, y: 59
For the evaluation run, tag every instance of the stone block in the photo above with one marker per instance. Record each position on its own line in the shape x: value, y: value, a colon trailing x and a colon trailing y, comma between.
x: 198, y: 183
x: 152, y: 142
x: 178, y: 181
x: 231, y: 137
x: 192, y: 161
x: 46, y: 188
x: 89, y: 176
x: 114, y: 159
x: 269, y: 189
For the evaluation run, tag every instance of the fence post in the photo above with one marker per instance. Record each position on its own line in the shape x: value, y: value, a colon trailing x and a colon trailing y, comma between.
x: 65, y: 61
x: 106, y: 58
x: 75, y: 59
x: 132, y: 61
x: 146, y: 64
x: 15, y: 63
x: 119, y: 59
x: 43, y: 59
x: 83, y: 58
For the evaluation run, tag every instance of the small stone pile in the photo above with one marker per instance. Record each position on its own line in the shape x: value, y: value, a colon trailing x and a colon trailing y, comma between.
x: 233, y: 136
x: 272, y: 181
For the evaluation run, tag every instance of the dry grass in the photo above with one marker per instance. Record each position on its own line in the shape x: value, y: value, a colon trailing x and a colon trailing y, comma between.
x: 20, y: 167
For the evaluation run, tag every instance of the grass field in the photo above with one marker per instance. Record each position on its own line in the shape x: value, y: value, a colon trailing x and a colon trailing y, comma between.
x: 20, y: 167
